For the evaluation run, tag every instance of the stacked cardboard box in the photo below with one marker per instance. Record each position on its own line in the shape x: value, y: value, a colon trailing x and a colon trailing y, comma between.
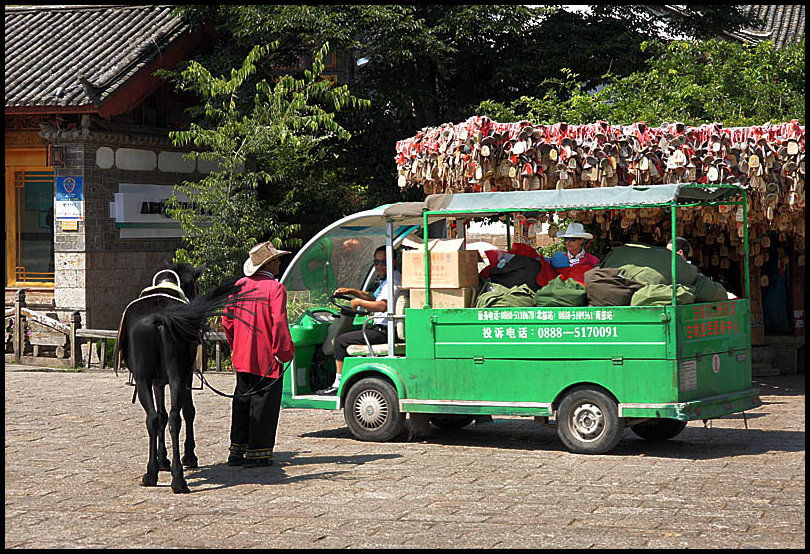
x: 453, y: 274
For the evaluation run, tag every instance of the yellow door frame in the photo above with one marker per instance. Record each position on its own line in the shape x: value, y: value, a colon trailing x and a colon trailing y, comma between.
x: 16, y: 160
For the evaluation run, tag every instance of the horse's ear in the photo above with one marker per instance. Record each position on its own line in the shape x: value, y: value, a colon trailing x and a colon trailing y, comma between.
x: 198, y: 271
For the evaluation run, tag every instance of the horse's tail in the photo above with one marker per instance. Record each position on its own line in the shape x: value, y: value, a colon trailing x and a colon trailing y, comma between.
x: 185, y: 322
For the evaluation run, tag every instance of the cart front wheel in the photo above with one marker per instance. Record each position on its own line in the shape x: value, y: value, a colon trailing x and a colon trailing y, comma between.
x: 659, y: 429
x: 372, y: 410
x: 588, y: 421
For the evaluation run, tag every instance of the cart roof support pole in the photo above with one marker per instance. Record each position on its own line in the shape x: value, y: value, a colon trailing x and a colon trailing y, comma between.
x: 674, y: 254
x: 747, y: 277
x: 427, y: 259
x: 389, y: 276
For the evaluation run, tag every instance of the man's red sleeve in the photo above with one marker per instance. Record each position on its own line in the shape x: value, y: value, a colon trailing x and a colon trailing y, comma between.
x: 282, y: 341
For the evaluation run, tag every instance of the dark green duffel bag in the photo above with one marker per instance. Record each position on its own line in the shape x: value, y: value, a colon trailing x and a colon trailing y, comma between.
x: 650, y: 264
x: 707, y: 290
x: 559, y: 293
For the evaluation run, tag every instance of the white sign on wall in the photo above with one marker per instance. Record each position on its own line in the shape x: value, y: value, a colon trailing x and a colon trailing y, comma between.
x: 140, y: 211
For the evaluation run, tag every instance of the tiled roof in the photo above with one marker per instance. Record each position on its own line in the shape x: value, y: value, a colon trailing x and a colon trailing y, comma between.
x: 781, y: 24
x: 79, y: 55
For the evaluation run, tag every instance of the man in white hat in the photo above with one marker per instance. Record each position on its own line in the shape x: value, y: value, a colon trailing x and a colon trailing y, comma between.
x: 574, y: 254
x: 260, y: 341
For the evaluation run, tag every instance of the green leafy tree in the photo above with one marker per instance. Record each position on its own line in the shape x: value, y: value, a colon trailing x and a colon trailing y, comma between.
x: 692, y: 82
x: 429, y: 64
x: 239, y: 204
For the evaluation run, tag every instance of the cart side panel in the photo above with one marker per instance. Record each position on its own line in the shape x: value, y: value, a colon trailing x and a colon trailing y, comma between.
x: 581, y: 333
x: 512, y: 385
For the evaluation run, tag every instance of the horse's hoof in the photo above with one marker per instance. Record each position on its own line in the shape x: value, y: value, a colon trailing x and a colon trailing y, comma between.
x: 164, y: 465
x: 149, y: 480
x: 182, y: 488
x: 189, y: 461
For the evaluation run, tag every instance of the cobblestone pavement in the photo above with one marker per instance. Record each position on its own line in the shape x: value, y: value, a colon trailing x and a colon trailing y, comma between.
x: 76, y: 450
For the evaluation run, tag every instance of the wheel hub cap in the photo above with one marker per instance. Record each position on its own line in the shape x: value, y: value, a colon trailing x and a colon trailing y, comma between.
x: 588, y: 421
x: 371, y: 409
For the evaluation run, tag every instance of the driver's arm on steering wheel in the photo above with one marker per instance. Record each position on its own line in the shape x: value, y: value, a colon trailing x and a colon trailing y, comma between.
x: 369, y: 305
x: 358, y: 294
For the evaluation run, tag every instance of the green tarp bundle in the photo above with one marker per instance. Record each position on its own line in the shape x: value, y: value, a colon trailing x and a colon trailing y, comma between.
x: 495, y: 295
x: 661, y: 295
x: 559, y: 293
x: 651, y: 265
x: 707, y: 290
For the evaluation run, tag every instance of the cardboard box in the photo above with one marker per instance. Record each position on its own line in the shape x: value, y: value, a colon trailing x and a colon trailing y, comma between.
x: 450, y: 266
x: 444, y: 298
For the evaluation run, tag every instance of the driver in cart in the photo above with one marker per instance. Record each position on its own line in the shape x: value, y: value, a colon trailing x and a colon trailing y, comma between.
x: 376, y: 302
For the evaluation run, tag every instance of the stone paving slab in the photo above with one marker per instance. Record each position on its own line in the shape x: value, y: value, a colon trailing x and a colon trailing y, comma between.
x: 76, y: 450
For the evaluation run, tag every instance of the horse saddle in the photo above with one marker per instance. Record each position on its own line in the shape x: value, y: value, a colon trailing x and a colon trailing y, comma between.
x: 152, y: 299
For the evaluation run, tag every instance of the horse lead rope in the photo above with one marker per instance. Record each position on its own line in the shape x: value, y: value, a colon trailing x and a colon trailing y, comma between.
x: 249, y: 393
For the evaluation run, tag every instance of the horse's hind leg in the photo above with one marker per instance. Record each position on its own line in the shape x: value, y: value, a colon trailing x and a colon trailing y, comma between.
x: 150, y: 478
x: 160, y: 405
x: 176, y: 390
x: 189, y: 459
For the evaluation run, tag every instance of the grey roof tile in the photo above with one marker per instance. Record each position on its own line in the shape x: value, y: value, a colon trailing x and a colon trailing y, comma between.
x: 48, y: 49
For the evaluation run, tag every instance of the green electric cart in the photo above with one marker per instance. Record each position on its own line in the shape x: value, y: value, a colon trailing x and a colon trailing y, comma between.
x: 591, y: 370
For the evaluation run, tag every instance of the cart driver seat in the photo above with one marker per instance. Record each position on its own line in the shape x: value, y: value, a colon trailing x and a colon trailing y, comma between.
x: 400, y: 304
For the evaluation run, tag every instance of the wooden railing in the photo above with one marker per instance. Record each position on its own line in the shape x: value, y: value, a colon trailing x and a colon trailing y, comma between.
x: 33, y: 338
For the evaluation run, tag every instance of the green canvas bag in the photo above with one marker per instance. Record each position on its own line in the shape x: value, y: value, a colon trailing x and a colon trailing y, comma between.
x: 559, y: 293
x: 650, y: 264
x: 707, y: 290
x: 661, y: 295
x: 495, y: 295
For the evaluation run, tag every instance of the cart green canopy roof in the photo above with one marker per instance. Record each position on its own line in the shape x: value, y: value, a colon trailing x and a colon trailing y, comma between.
x: 484, y: 203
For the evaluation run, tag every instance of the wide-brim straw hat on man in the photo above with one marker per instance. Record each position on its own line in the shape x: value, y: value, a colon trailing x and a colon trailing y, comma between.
x: 575, y: 231
x: 260, y: 255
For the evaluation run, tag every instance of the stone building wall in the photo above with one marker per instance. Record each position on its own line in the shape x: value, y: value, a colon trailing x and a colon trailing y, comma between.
x: 96, y: 271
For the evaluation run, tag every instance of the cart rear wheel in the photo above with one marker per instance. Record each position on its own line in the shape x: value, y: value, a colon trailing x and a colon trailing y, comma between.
x: 659, y: 429
x: 588, y: 421
x: 372, y: 410
x: 451, y: 421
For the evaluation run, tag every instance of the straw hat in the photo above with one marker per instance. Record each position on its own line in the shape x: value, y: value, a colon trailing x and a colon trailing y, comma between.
x: 575, y: 231
x: 260, y: 255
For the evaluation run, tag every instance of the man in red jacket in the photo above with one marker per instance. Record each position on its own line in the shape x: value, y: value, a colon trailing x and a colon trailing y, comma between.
x: 260, y: 345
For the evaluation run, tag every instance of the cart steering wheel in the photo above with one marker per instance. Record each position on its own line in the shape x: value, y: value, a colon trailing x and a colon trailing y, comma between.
x: 346, y: 309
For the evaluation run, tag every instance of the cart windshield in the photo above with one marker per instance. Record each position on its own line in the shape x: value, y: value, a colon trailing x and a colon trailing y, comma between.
x: 339, y: 256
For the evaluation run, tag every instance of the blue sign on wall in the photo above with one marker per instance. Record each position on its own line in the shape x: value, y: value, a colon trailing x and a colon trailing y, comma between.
x: 69, y: 198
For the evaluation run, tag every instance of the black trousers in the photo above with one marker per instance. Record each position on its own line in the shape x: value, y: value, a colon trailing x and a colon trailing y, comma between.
x: 378, y: 334
x: 254, y: 418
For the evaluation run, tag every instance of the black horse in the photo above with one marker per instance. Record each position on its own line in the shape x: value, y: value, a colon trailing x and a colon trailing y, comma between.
x: 158, y: 339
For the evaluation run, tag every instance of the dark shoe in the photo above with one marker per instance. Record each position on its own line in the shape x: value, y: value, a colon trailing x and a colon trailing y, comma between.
x: 330, y: 391
x: 236, y: 460
x: 261, y: 462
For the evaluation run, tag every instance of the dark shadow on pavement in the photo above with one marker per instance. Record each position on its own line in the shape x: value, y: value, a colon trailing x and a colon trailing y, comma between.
x: 780, y: 385
x: 694, y: 442
x: 221, y: 476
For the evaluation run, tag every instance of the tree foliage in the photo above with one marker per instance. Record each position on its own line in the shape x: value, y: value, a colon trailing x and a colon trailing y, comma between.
x: 241, y: 203
x: 429, y: 64
x: 691, y: 82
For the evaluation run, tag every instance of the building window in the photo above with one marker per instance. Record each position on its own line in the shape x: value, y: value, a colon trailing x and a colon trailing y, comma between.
x: 29, y: 226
